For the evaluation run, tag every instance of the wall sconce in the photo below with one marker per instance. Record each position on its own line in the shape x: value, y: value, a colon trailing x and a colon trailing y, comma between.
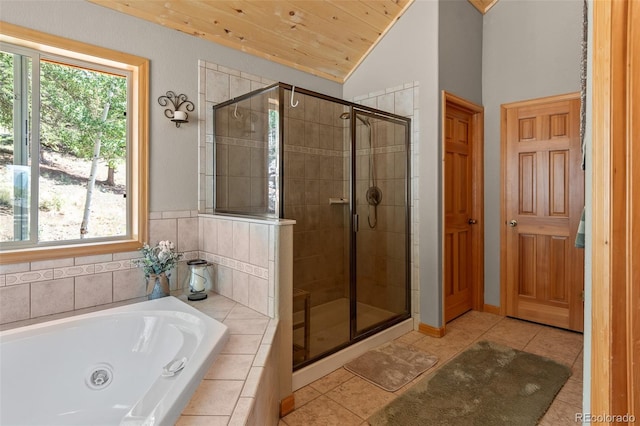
x: 176, y: 101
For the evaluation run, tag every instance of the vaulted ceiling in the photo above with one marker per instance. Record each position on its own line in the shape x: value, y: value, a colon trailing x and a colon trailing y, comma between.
x: 325, y: 38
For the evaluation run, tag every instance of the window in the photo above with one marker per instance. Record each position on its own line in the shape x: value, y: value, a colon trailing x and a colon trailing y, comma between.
x: 73, y: 148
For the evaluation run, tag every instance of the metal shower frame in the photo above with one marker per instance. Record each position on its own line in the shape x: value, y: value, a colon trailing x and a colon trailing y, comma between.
x: 354, y: 110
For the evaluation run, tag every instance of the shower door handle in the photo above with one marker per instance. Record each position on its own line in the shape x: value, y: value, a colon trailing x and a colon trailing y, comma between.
x: 356, y: 223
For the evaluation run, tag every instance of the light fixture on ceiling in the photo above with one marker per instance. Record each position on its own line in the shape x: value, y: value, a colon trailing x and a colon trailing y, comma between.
x: 177, y: 101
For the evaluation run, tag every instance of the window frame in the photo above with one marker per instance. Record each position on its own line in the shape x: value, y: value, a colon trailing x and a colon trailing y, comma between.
x: 138, y: 154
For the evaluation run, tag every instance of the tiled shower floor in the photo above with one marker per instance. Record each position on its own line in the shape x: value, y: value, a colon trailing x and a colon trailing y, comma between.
x: 341, y: 398
x: 330, y: 324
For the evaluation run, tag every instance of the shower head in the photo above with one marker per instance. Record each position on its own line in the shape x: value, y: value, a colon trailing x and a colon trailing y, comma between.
x: 347, y: 115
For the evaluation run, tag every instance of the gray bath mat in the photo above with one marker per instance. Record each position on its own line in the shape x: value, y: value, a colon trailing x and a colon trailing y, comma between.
x: 391, y: 366
x: 488, y: 384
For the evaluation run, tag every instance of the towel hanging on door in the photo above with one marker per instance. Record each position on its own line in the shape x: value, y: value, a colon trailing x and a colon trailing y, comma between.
x: 580, y: 235
x: 583, y: 84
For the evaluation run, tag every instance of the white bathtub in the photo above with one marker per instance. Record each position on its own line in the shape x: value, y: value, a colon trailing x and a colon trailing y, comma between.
x: 109, y: 367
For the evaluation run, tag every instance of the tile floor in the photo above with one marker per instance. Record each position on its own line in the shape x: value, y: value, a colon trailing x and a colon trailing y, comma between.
x: 343, y: 399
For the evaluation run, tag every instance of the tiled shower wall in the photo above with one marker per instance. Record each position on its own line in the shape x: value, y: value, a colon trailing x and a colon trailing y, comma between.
x: 218, y: 84
x: 382, y: 237
x: 401, y: 100
x: 315, y: 161
x: 316, y: 156
x: 242, y: 156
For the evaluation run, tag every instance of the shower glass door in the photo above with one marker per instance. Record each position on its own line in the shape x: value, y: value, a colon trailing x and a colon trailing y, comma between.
x: 340, y: 170
x: 380, y: 197
x: 316, y: 194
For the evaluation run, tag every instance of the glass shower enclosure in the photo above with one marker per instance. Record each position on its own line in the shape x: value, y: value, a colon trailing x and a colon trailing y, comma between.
x: 341, y: 171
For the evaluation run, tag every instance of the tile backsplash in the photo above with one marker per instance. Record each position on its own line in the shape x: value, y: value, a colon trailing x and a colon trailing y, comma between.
x: 242, y: 254
x: 36, y: 289
x: 31, y: 290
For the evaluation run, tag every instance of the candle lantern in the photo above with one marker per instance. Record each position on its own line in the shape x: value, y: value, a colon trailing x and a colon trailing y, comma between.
x: 200, y: 282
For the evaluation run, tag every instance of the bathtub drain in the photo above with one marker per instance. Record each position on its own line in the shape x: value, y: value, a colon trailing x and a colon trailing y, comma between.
x: 100, y: 377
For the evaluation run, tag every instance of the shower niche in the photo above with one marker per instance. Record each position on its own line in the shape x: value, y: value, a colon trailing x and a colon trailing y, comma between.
x: 341, y: 171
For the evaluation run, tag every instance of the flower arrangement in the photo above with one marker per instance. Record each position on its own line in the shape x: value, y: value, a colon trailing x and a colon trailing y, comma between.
x: 159, y: 259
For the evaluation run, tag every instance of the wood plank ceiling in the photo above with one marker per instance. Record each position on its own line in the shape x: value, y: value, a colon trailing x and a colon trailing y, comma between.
x: 483, y: 6
x: 325, y: 38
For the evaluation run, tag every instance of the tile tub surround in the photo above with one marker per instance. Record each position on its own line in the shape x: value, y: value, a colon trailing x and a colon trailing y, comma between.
x: 249, y: 256
x: 36, y: 289
x: 256, y: 253
x: 245, y: 254
x: 243, y: 250
x: 238, y: 387
x: 31, y: 290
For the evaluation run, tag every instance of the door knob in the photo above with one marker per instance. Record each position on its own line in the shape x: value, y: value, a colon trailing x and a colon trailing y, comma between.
x: 513, y: 223
x: 472, y: 221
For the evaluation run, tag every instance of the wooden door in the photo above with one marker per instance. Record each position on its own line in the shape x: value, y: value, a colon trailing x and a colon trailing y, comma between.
x: 462, y: 131
x: 543, y: 201
x: 615, y: 210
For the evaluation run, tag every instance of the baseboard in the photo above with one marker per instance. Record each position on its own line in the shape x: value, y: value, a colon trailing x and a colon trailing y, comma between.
x: 287, y: 405
x: 431, y: 331
x: 491, y: 309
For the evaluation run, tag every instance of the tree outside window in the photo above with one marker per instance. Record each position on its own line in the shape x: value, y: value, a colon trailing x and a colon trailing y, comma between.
x: 73, y: 148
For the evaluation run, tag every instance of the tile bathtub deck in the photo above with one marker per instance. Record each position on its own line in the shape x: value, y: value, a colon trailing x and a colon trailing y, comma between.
x: 341, y: 398
x: 225, y: 395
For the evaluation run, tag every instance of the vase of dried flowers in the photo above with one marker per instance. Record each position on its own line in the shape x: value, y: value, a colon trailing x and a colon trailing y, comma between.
x: 157, y: 286
x: 157, y: 262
